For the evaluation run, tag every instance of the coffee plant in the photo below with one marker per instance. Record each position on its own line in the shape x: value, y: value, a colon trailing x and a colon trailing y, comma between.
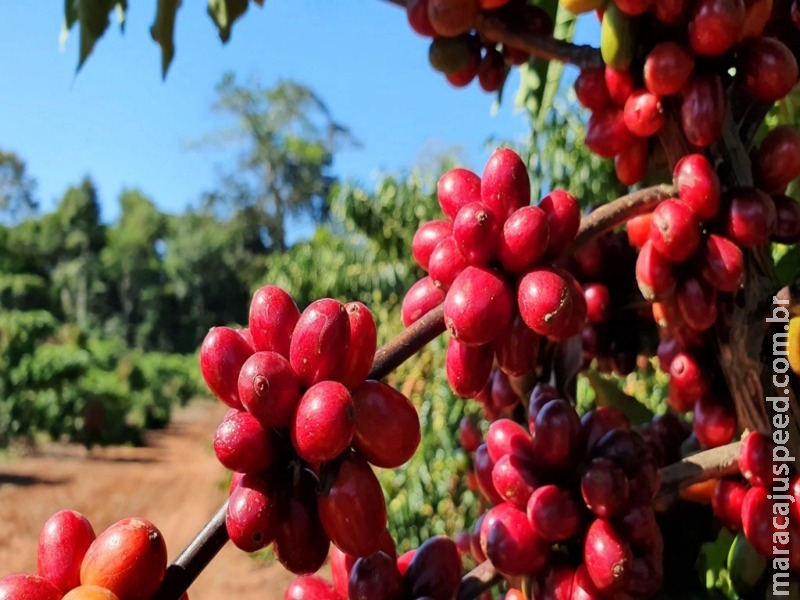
x: 695, y: 270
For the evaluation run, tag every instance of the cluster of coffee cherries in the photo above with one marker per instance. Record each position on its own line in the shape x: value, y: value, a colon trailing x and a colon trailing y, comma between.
x: 433, y: 570
x: 461, y: 54
x: 768, y: 517
x: 304, y: 428
x: 491, y: 262
x: 127, y: 561
x: 689, y: 48
x: 617, y: 323
x: 573, y: 499
x: 690, y: 260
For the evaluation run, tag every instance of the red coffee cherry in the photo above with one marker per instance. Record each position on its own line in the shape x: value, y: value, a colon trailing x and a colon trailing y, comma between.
x: 687, y: 378
x: 644, y: 114
x: 653, y: 273
x: 301, y: 543
x: 27, y: 587
x: 478, y: 306
x: 604, y: 488
x: 524, y: 239
x: 492, y: 71
x: 252, y: 517
x: 469, y: 435
x: 417, y: 13
x: 457, y: 188
x: 606, y: 133
x: 767, y: 69
x: 351, y: 506
x: 434, y: 570
x: 787, y: 221
x: 376, y: 576
x: 135, y: 574
x: 318, y: 349
x: 757, y: 520
x: 714, y: 421
x: 505, y: 185
x: 777, y: 161
x: 553, y: 514
x: 273, y: 316
x: 468, y: 368
x: 697, y: 302
x: 363, y: 344
x: 674, y: 230
x: 427, y: 238
x: 387, y: 431
x: 222, y: 354
x: 269, y: 389
x: 630, y: 165
x: 591, y: 90
x: 324, y: 422
x: 63, y: 542
x: 607, y: 557
x: 722, y: 263
x: 446, y: 263
x: 557, y: 435
x: 507, y: 437
x: 755, y: 459
x: 698, y: 185
x: 514, y: 480
x: 450, y: 18
x: 420, y: 299
x: 638, y: 230
x: 484, y: 467
x: 476, y: 231
x: 516, y: 349
x: 727, y: 503
x: 750, y: 218
x: 242, y: 444
x: 513, y: 547
x: 703, y: 110
x: 620, y: 84
x: 716, y: 26
x: 667, y: 68
x: 545, y: 301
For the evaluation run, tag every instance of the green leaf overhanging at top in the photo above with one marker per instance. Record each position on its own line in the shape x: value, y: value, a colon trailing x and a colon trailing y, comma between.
x: 224, y: 13
x: 163, y: 31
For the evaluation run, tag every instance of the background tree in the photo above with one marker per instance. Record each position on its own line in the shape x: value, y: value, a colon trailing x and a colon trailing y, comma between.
x: 17, y: 187
x: 287, y: 139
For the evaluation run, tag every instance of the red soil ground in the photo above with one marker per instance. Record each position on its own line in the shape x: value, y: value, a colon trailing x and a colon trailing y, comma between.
x: 175, y: 482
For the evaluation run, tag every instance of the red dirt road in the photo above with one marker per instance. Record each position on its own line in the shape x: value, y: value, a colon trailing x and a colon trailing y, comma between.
x: 175, y: 482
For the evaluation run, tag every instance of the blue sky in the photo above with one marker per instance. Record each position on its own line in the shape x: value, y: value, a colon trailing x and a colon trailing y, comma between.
x: 119, y: 122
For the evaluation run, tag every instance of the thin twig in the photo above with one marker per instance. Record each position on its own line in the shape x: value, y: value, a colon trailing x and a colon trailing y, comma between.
x: 542, y: 46
x: 614, y: 214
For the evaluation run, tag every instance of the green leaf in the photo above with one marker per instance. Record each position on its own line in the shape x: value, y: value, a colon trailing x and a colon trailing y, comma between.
x: 224, y: 13
x: 70, y: 13
x: 745, y: 565
x: 787, y: 266
x: 712, y: 566
x: 607, y: 393
x: 93, y: 19
x: 163, y: 31
x: 70, y: 18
